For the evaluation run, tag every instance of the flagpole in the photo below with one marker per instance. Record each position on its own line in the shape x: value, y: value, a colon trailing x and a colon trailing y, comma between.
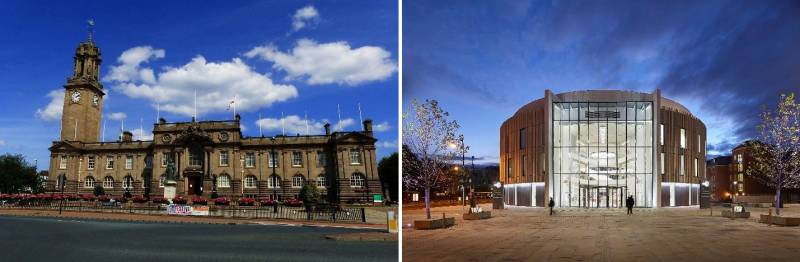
x: 195, y: 103
x: 283, y: 130
x: 259, y: 125
x: 104, y: 131
x: 234, y: 105
x: 339, y: 111
x: 306, y: 113
x: 158, y: 111
x: 359, y: 116
x: 141, y: 129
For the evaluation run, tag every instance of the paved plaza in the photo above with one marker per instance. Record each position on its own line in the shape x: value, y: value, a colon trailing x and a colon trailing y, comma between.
x: 663, y: 234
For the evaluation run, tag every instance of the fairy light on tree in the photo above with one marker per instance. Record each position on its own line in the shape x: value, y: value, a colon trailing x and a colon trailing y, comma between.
x: 427, y: 134
x: 777, y: 152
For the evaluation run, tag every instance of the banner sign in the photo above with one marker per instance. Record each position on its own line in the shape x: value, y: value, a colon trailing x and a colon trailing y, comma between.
x: 185, y: 210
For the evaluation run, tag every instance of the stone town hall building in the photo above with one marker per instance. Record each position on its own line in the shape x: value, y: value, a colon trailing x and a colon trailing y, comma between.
x: 208, y: 155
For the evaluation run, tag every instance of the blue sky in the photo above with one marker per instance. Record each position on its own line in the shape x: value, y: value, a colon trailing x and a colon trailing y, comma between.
x: 485, y: 59
x: 288, y: 58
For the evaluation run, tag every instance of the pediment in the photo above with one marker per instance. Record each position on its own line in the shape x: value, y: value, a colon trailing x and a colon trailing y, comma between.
x: 355, y: 137
x: 63, y: 146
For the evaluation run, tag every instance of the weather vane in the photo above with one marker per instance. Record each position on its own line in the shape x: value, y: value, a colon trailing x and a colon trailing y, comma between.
x: 90, y: 25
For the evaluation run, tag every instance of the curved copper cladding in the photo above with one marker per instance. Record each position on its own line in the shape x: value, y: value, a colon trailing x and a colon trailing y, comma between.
x: 600, y: 146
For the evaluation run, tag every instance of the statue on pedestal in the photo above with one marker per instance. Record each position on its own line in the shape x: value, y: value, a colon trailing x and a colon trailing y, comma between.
x: 169, y: 182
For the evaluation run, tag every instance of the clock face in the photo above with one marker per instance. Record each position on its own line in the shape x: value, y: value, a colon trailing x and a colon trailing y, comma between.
x: 76, y: 97
x: 95, y: 100
x: 166, y: 138
x: 223, y: 136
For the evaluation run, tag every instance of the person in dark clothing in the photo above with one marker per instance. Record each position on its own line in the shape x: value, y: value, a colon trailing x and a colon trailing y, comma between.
x: 629, y: 204
x: 551, y: 205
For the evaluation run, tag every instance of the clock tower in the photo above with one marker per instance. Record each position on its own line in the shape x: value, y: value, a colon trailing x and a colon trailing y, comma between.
x: 83, y: 96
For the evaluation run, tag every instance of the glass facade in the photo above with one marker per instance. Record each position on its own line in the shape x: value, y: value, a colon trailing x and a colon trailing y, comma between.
x: 602, y: 153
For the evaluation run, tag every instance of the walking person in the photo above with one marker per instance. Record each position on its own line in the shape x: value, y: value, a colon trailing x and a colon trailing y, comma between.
x: 551, y: 205
x: 629, y: 204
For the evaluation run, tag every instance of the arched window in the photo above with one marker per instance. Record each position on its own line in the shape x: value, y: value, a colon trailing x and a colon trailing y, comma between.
x: 224, y: 181
x: 127, y: 182
x: 161, y: 180
x: 274, y: 181
x: 250, y: 181
x: 321, y: 182
x: 89, y: 182
x: 357, y: 180
x: 297, y: 181
x: 108, y: 182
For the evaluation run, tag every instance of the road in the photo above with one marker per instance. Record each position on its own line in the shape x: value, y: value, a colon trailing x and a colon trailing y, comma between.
x: 50, y: 239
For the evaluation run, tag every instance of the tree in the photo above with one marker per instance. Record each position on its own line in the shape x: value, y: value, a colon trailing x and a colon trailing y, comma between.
x: 387, y: 171
x: 309, y: 195
x: 777, y: 153
x: 427, y: 134
x: 99, y: 190
x: 17, y: 175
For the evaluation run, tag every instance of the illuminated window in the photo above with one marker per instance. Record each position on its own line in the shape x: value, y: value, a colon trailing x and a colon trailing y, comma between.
x: 695, y: 167
x: 682, y: 166
x: 740, y: 177
x: 699, y: 148
x: 662, y: 162
x: 661, y: 134
x: 683, y: 138
x: 508, y: 163
x: 741, y: 187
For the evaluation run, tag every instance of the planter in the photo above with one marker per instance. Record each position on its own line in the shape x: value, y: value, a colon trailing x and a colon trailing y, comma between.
x: 478, y: 215
x: 780, y: 220
x: 434, y: 223
x: 727, y: 213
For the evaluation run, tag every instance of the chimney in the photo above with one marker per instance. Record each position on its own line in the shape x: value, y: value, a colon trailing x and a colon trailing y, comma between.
x: 127, y: 136
x: 327, y: 129
x: 237, y: 118
x: 368, y: 127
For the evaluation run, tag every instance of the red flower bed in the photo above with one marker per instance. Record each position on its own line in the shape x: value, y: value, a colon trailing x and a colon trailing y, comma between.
x: 121, y: 199
x: 179, y: 200
x: 87, y: 197
x: 43, y: 196
x: 159, y: 200
x: 103, y: 198
x: 246, y: 201
x: 267, y: 201
x: 293, y: 202
x: 5, y: 197
x: 198, y: 200
x: 139, y: 199
x: 72, y: 197
x: 221, y: 201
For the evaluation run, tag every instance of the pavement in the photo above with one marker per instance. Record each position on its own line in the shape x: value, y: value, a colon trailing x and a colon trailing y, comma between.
x: 661, y: 234
x: 86, y: 239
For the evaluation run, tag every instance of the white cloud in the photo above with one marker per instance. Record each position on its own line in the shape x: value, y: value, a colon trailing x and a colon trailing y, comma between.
x: 327, y: 63
x: 305, y: 17
x: 294, y: 124
x: 387, y: 144
x: 2, y: 142
x: 381, y: 127
x: 140, y: 134
x: 242, y: 127
x: 117, y: 116
x: 53, y: 110
x: 129, y: 62
x: 216, y: 83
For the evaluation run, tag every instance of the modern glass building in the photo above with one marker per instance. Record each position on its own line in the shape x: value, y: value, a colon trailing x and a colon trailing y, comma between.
x: 595, y: 148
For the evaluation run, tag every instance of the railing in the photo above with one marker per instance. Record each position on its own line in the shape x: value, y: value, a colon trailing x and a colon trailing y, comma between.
x: 327, y: 213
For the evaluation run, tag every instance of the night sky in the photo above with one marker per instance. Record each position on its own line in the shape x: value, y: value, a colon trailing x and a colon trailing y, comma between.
x: 483, y: 60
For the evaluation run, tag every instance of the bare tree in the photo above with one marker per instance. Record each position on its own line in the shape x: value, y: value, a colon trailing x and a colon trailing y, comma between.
x: 427, y: 134
x: 777, y: 154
